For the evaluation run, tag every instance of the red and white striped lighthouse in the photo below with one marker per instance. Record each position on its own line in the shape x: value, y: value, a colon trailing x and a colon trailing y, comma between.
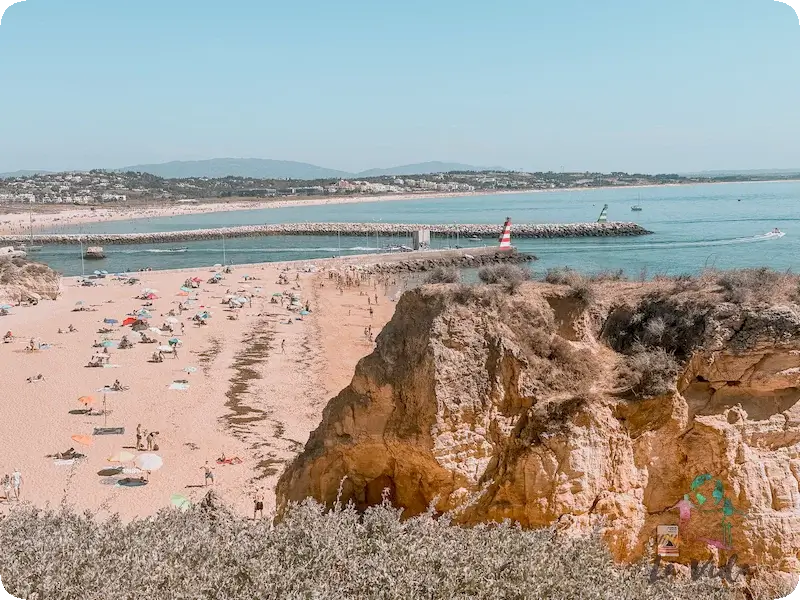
x: 505, y: 239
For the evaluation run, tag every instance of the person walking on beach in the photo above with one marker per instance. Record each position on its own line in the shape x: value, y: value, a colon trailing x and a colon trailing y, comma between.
x: 258, y: 504
x: 209, y: 474
x: 16, y: 481
x: 151, y: 438
x: 283, y: 346
x: 7, y: 487
x: 139, y: 436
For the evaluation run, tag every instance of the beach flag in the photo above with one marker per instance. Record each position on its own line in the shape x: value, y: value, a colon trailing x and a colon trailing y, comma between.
x: 505, y: 238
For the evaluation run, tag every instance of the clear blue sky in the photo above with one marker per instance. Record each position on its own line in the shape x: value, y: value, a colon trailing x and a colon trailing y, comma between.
x: 678, y: 85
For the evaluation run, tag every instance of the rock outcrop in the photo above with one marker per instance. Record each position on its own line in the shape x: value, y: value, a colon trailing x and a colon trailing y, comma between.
x: 519, y: 406
x: 22, y: 280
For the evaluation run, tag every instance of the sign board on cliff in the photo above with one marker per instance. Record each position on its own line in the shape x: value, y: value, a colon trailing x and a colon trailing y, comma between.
x: 668, y: 540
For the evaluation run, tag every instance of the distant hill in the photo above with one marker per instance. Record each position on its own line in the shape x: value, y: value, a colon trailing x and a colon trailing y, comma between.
x: 425, y: 168
x: 22, y: 174
x: 261, y: 168
x: 239, y: 167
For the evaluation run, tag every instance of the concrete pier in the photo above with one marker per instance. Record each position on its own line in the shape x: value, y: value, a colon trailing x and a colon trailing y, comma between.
x: 489, y: 232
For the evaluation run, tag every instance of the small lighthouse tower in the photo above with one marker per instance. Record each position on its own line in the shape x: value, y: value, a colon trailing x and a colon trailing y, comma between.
x: 505, y: 238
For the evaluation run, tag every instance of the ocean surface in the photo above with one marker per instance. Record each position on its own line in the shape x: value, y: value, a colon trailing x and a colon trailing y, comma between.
x: 695, y: 227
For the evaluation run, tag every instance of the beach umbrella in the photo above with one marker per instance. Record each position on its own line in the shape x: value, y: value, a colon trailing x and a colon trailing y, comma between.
x: 128, y: 321
x: 97, y: 273
x: 110, y: 321
x: 86, y: 400
x: 122, y: 456
x: 135, y: 336
x: 5, y: 306
x: 104, y: 272
x: 276, y: 294
x: 84, y: 440
x: 174, y: 342
x: 79, y: 303
x: 304, y: 312
x: 149, y: 291
x: 185, y: 289
x: 190, y: 369
x: 181, y: 502
x: 149, y: 462
x: 108, y: 344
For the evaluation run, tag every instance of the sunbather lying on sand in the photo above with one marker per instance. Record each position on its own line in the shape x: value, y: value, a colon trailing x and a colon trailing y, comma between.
x: 66, y: 455
x: 36, y: 378
x: 234, y: 460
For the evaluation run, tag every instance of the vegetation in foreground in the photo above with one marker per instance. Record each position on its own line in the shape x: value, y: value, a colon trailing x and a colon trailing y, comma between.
x: 208, y: 552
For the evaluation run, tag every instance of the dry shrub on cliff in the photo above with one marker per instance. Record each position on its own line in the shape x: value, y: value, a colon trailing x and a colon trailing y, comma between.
x: 581, y: 287
x: 648, y: 372
x: 762, y: 285
x: 312, y: 553
x: 443, y: 275
x: 510, y: 276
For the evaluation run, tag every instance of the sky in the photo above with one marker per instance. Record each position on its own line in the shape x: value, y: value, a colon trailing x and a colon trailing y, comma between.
x: 675, y: 86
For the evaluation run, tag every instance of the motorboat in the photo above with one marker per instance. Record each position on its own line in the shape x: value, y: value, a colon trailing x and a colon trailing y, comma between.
x: 775, y: 233
x: 177, y: 250
x: 636, y: 208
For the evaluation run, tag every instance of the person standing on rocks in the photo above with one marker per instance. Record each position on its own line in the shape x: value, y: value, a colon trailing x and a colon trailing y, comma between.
x: 258, y: 504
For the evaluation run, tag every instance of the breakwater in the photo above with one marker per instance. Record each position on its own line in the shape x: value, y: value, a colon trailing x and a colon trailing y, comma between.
x: 416, y: 262
x: 491, y: 232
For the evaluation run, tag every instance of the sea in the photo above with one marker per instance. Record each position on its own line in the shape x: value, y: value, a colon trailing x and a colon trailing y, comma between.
x: 694, y: 227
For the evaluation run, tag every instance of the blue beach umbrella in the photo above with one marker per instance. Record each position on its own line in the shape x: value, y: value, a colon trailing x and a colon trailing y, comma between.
x: 108, y: 344
x: 5, y: 306
x: 304, y: 312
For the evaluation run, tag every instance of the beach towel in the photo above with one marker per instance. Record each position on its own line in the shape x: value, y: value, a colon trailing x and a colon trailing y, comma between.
x: 175, y: 385
x: 64, y: 462
x: 109, y: 431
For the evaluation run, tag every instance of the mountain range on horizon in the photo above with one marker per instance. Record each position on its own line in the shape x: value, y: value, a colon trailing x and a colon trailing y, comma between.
x: 261, y: 168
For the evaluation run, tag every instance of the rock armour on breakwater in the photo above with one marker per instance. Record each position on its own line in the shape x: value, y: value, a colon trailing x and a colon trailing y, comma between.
x: 559, y: 230
x: 465, y: 261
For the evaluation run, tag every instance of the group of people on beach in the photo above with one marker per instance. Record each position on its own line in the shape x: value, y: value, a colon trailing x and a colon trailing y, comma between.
x: 12, y: 485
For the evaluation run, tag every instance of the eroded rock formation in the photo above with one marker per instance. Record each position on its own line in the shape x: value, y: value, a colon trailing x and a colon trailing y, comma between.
x: 23, y: 280
x: 521, y: 406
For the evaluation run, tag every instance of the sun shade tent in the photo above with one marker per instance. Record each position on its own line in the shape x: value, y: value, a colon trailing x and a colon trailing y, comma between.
x: 149, y: 462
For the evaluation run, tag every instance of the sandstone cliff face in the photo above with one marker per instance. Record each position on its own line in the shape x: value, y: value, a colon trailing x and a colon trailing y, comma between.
x: 21, y: 280
x: 510, y: 406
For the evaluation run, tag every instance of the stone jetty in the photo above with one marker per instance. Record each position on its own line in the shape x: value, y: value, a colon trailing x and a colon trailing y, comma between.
x: 491, y: 232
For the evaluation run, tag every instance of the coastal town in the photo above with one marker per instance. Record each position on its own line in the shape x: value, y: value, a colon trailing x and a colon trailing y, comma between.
x: 100, y: 187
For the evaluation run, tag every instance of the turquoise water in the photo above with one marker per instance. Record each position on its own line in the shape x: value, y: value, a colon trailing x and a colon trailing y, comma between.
x: 694, y: 227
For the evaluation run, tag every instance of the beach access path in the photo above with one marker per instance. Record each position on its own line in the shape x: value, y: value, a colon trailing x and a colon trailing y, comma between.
x: 247, y: 397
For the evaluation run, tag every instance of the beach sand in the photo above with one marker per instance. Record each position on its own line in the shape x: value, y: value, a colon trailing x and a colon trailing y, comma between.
x: 247, y: 398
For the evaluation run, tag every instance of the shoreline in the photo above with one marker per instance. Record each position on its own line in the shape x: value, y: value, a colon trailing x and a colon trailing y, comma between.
x: 19, y: 222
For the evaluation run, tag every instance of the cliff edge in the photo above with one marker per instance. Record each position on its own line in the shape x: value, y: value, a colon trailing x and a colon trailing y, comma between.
x: 617, y: 405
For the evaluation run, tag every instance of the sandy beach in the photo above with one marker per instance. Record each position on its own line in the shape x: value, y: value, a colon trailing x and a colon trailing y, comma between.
x: 257, y: 387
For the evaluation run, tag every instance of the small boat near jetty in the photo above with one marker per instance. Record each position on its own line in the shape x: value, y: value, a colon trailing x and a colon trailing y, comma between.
x: 775, y: 233
x: 94, y: 252
x: 636, y: 208
x: 178, y: 250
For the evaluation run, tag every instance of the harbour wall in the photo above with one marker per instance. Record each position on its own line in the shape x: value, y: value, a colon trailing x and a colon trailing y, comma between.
x: 559, y: 230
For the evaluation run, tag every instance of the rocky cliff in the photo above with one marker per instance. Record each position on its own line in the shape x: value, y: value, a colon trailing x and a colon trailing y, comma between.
x: 23, y: 280
x: 619, y: 405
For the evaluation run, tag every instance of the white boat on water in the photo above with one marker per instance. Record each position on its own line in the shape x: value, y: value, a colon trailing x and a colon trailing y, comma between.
x: 178, y: 250
x: 775, y: 233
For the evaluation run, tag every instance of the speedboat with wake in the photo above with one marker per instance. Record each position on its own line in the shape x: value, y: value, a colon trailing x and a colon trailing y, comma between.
x: 775, y: 233
x: 177, y: 250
